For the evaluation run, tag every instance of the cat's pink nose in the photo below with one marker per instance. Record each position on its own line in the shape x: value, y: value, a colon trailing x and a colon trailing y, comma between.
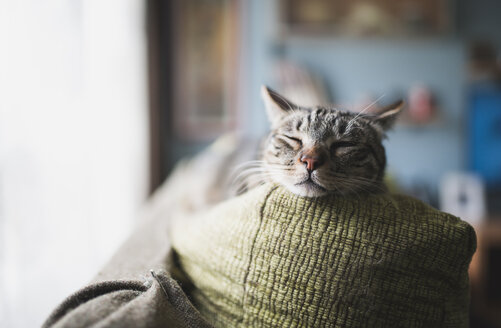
x: 312, y: 162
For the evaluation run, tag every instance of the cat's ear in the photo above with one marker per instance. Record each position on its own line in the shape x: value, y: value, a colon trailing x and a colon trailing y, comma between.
x: 277, y: 106
x: 387, y: 116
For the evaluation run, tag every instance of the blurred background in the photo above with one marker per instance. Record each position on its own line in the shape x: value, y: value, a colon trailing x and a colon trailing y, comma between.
x: 100, y: 99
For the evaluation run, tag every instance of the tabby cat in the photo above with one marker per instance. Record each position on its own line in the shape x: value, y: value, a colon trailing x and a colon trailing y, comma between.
x: 322, y: 150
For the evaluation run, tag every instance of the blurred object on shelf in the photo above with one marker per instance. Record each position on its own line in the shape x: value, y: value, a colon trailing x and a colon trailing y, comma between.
x: 463, y: 194
x: 484, y: 125
x: 299, y: 85
x: 362, y: 18
x: 483, y: 62
x: 367, y: 19
x: 311, y: 12
x: 421, y: 108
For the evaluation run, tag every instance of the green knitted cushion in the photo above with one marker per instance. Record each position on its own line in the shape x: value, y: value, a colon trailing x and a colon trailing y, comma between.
x: 270, y: 258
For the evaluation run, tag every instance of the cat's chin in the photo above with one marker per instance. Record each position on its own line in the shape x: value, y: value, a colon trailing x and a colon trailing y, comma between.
x: 307, y: 189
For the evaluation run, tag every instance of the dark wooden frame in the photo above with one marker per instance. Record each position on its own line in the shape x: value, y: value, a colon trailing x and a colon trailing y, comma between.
x: 159, y: 36
x: 169, y: 131
x: 218, y: 22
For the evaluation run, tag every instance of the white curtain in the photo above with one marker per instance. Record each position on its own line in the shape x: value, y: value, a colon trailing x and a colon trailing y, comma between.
x: 73, y: 145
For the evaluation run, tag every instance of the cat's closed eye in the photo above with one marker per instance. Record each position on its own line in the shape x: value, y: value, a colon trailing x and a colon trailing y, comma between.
x: 292, y: 141
x: 340, y: 148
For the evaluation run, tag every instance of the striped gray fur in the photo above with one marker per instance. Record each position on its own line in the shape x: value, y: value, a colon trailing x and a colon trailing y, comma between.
x: 322, y: 150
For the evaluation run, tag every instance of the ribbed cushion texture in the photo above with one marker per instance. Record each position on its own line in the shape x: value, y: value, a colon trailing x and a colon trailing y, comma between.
x: 270, y: 258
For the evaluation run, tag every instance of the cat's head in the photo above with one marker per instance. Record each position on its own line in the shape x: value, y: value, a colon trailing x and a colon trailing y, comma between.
x: 319, y: 150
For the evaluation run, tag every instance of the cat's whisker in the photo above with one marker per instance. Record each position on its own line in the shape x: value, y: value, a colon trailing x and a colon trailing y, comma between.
x: 280, y: 169
x: 372, y: 103
x: 354, y: 184
x: 256, y: 173
x: 350, y: 123
x: 251, y: 162
x: 244, y: 174
x: 248, y: 164
x: 364, y: 186
x: 349, y: 189
x: 236, y: 175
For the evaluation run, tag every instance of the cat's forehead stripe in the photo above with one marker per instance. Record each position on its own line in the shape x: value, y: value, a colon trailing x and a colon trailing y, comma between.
x: 320, y: 123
